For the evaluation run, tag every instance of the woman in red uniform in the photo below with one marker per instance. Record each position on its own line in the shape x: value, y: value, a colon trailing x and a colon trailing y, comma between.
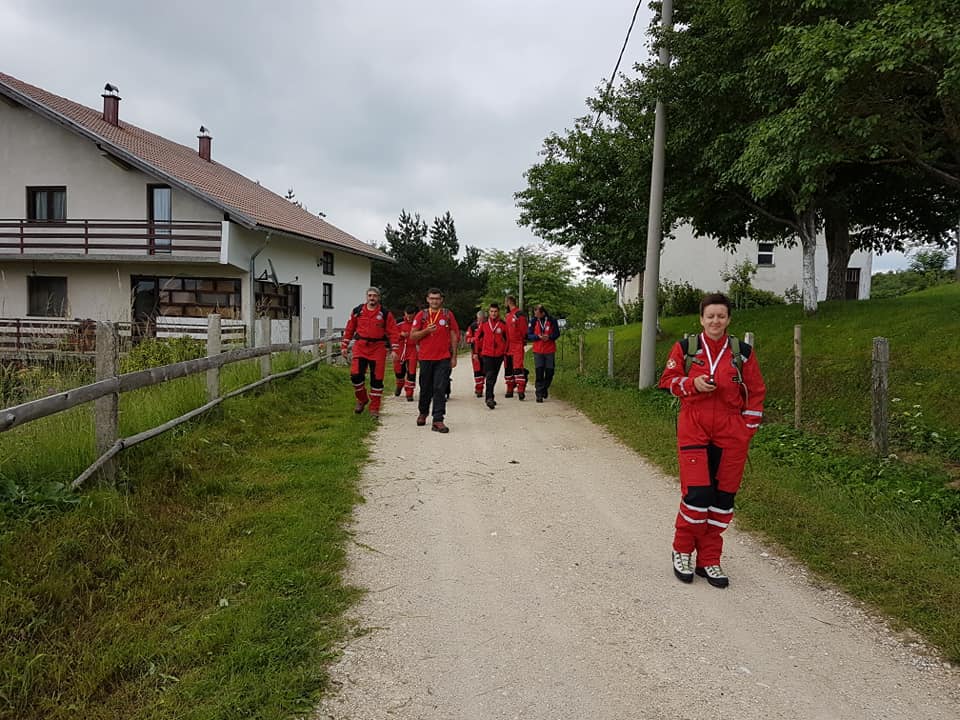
x: 721, y: 393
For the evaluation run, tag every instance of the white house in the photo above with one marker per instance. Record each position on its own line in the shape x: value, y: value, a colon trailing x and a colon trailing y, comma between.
x: 697, y: 260
x: 103, y: 220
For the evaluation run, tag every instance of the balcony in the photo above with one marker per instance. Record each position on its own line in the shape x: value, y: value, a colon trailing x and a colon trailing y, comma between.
x: 191, y: 240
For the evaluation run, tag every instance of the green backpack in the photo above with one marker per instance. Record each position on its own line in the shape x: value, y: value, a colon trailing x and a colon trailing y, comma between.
x: 691, y: 345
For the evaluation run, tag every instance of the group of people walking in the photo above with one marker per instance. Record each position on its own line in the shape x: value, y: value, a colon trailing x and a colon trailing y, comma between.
x: 715, y: 376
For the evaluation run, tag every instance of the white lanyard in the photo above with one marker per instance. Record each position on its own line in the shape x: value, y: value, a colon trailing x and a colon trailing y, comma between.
x: 710, y: 361
x: 543, y: 326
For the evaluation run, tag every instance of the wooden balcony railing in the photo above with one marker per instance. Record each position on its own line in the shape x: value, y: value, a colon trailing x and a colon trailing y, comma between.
x: 181, y: 239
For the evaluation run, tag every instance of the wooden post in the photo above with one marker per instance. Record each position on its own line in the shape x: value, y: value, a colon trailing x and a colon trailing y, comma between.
x: 315, y: 349
x: 610, y: 353
x: 106, y: 410
x: 879, y: 393
x: 748, y: 338
x: 580, y: 366
x: 214, y: 347
x: 295, y: 334
x: 265, y: 331
x: 797, y: 375
x: 327, y: 337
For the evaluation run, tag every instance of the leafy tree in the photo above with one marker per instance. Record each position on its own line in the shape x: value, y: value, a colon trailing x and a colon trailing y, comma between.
x: 428, y: 258
x: 592, y: 302
x: 547, y: 278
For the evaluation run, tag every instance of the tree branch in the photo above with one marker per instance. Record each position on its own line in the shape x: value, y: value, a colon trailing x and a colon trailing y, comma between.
x: 766, y: 213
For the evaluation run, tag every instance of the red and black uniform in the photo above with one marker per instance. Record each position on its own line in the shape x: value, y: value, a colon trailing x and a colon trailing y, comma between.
x: 492, y: 344
x: 713, y: 434
x: 374, y: 332
x: 475, y: 357
x: 515, y: 374
x: 405, y: 359
x: 544, y: 352
x: 434, y: 352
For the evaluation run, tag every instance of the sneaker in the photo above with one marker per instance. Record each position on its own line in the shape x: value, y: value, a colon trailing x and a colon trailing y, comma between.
x: 491, y: 404
x: 714, y: 575
x: 509, y: 394
x: 358, y: 408
x: 375, y: 415
x: 409, y: 398
x: 480, y: 394
x: 683, y: 566
x: 440, y: 427
x: 397, y: 391
x: 421, y: 420
x: 521, y: 396
x: 539, y: 398
x: 546, y: 394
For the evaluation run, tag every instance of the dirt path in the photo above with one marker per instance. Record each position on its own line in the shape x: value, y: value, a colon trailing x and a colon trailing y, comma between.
x: 519, y: 568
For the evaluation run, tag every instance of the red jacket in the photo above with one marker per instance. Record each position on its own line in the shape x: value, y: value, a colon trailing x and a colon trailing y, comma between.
x: 731, y: 396
x: 405, y: 349
x: 546, y: 326
x: 375, y: 331
x: 492, y: 339
x: 439, y: 344
x: 516, y: 328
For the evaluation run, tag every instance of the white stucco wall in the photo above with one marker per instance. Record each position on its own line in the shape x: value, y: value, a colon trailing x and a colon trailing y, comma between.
x: 697, y: 260
x: 37, y: 152
x: 299, y: 262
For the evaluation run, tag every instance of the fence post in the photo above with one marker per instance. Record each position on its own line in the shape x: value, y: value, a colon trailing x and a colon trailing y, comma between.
x: 748, y: 338
x: 214, y: 347
x: 265, y: 360
x: 610, y: 353
x: 106, y: 410
x: 327, y: 337
x: 880, y: 387
x: 315, y: 348
x: 295, y: 334
x: 580, y: 366
x: 797, y: 375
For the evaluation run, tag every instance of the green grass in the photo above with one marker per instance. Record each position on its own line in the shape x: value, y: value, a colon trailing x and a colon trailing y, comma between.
x: 209, y: 586
x: 884, y: 529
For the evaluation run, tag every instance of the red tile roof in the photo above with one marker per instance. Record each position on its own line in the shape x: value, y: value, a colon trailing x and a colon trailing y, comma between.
x: 247, y: 202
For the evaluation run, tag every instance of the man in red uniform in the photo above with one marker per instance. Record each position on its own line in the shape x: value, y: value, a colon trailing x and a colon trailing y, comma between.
x: 477, y: 367
x: 515, y: 374
x: 437, y: 334
x: 374, y: 332
x: 405, y: 356
x: 543, y: 331
x: 721, y: 406
x: 491, y: 344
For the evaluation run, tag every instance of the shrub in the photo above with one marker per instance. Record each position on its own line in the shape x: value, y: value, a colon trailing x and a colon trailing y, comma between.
x: 679, y: 298
x: 742, y: 293
x: 155, y: 352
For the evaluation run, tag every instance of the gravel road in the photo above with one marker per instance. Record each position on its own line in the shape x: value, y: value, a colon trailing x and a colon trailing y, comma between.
x: 519, y: 567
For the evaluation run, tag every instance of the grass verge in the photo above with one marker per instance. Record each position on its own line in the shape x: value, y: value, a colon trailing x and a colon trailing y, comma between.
x: 209, y: 587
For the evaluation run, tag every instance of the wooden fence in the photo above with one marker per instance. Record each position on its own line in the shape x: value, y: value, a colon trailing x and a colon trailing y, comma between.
x: 105, y: 392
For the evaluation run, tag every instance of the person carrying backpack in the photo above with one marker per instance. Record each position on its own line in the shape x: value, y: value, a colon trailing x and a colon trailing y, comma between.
x: 374, y: 332
x: 721, y: 391
x: 491, y: 344
x: 437, y: 334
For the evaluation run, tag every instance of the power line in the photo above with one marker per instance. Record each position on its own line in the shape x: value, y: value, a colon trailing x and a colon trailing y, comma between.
x: 616, y: 67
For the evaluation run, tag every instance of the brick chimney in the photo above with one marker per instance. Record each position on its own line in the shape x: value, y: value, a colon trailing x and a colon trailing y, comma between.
x: 111, y: 104
x: 205, y: 141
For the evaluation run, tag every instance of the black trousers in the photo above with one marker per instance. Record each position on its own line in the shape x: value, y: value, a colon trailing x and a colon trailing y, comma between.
x: 491, y: 368
x: 543, y: 364
x: 434, y: 380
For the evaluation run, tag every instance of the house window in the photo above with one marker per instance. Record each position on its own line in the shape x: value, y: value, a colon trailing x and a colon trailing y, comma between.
x: 764, y: 253
x: 328, y: 295
x: 159, y: 215
x: 277, y: 301
x: 46, y: 296
x: 328, y: 263
x: 47, y: 204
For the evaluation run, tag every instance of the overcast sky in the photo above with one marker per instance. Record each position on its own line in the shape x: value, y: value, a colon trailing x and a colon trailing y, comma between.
x: 363, y: 107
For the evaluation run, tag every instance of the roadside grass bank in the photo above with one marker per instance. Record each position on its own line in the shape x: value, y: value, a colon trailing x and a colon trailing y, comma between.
x: 208, y: 586
x: 887, y: 530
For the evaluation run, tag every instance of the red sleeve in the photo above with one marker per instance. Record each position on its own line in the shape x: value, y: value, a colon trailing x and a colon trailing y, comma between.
x: 454, y: 334
x: 674, y: 378
x: 348, y: 331
x: 756, y: 391
x: 393, y: 332
x: 506, y: 339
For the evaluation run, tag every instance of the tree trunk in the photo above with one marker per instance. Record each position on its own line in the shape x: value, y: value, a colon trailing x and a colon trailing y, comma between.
x: 956, y: 261
x: 837, y: 231
x: 808, y: 241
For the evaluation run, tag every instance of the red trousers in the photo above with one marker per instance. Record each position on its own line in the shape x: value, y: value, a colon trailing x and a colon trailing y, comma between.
x: 375, y: 359
x: 405, y: 371
x: 712, y: 444
x: 514, y: 372
x: 478, y: 375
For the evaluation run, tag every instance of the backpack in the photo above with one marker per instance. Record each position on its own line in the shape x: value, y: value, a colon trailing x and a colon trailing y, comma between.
x: 738, y: 353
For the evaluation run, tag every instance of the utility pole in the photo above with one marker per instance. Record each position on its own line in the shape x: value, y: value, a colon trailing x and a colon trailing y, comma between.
x: 651, y: 272
x: 520, y: 282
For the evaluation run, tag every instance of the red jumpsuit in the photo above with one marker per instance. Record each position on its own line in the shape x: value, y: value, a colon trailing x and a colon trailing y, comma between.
x: 713, y: 435
x: 514, y: 373
x: 491, y: 345
x: 477, y: 367
x: 405, y: 360
x: 374, y: 332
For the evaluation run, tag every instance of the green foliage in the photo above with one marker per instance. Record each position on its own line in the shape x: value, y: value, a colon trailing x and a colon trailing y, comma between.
x: 547, y: 278
x: 926, y: 270
x: 592, y: 302
x: 154, y: 352
x: 741, y: 291
x: 677, y: 298
x: 422, y: 264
